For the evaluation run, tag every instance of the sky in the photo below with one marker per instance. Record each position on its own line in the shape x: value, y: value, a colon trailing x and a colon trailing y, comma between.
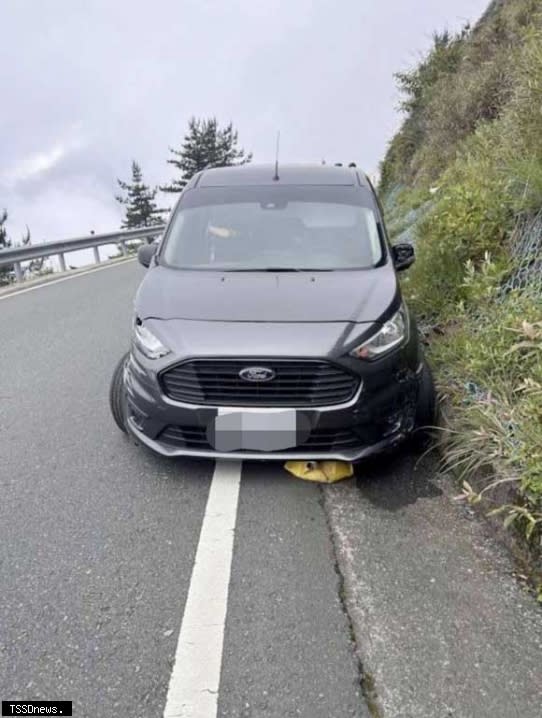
x: 86, y: 86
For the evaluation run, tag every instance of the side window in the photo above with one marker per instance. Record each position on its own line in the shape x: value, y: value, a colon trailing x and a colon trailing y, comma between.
x: 379, y: 205
x: 374, y: 237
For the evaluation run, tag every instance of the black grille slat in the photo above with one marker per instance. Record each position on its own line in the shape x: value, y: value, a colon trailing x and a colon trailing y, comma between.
x: 284, y: 396
x: 297, y: 382
x: 177, y: 377
x: 278, y: 387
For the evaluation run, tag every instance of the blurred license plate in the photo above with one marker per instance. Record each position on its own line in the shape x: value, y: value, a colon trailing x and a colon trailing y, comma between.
x: 253, y: 430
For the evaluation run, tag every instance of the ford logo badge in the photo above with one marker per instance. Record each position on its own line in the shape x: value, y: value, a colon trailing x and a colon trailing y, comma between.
x: 257, y: 373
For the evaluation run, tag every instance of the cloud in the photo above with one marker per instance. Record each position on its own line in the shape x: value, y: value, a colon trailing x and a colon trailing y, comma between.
x: 35, y: 165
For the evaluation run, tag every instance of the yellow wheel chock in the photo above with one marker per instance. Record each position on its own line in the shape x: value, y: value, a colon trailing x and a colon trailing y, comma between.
x: 325, y: 472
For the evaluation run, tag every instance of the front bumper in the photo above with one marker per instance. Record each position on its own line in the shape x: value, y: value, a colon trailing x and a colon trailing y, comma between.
x: 361, y: 452
x: 378, y: 417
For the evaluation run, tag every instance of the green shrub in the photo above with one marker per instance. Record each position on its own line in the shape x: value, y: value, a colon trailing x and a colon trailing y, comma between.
x: 465, y: 81
x: 497, y: 425
x: 470, y: 217
x: 473, y: 133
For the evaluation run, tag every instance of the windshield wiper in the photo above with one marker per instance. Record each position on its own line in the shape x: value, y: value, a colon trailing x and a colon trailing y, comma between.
x: 264, y: 269
x: 279, y: 269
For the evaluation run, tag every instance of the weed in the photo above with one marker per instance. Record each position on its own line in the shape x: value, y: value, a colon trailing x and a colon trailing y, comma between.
x: 473, y: 131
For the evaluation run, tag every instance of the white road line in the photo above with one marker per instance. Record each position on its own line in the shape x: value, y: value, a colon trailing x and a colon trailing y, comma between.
x: 194, y: 682
x: 18, y: 292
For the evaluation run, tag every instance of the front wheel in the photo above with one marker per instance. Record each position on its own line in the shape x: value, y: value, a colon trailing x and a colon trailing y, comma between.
x: 426, y: 408
x: 117, y: 394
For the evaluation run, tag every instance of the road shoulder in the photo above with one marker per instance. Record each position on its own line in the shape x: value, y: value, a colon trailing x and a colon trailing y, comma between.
x: 441, y: 625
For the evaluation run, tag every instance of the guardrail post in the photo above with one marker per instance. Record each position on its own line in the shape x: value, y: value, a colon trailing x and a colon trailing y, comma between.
x: 62, y: 262
x: 18, y: 271
x: 123, y: 249
x: 96, y: 255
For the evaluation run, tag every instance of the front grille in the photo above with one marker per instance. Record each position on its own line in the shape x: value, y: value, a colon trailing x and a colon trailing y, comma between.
x: 323, y: 440
x: 300, y: 383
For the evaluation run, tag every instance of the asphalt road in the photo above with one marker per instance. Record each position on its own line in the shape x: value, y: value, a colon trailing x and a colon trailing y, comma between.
x: 378, y: 598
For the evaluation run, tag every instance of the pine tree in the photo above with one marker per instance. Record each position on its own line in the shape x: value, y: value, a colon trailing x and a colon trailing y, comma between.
x: 4, y: 244
x: 4, y: 241
x: 205, y: 145
x: 35, y: 265
x: 141, y: 209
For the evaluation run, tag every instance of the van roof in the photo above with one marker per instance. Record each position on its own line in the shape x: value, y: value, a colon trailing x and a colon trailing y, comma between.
x: 289, y: 174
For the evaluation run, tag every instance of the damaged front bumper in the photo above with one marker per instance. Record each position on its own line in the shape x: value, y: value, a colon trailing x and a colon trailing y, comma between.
x: 354, y: 454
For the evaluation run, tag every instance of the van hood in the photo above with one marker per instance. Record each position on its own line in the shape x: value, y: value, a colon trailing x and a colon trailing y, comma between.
x: 341, y: 296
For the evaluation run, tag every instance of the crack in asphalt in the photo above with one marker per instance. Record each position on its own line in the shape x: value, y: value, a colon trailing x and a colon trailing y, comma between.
x: 365, y: 677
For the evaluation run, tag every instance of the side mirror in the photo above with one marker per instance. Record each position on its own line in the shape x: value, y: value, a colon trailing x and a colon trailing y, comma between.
x: 145, y: 254
x: 403, y: 256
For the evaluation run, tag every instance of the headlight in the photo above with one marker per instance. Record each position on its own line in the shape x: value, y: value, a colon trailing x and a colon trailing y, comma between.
x: 393, y: 332
x: 147, y: 343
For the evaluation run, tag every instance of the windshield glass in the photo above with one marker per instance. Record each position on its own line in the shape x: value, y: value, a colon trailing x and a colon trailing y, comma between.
x: 273, y: 229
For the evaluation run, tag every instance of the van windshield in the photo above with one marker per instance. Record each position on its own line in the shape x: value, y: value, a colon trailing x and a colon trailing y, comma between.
x: 273, y: 229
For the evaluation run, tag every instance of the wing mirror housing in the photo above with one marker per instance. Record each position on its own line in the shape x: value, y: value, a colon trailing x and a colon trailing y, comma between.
x: 403, y: 256
x: 146, y: 253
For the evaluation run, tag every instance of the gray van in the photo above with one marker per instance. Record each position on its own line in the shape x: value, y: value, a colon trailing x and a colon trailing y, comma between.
x: 270, y: 323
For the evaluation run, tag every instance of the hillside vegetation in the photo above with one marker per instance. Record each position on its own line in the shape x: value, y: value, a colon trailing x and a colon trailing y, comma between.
x: 463, y: 179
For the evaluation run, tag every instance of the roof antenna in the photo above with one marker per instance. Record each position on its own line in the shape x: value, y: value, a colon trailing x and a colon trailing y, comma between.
x: 276, y: 177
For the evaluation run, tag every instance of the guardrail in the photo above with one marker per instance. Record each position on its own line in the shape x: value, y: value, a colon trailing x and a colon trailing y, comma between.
x: 15, y: 255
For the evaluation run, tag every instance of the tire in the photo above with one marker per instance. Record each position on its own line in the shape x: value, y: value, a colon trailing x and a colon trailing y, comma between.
x: 117, y: 396
x: 426, y: 409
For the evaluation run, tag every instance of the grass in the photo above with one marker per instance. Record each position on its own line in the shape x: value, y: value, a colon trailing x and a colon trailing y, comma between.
x: 488, y: 360
x: 470, y: 150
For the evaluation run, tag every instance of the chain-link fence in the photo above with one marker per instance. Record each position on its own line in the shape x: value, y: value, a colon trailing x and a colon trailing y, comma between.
x: 411, y: 219
x: 526, y: 251
x: 525, y: 244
